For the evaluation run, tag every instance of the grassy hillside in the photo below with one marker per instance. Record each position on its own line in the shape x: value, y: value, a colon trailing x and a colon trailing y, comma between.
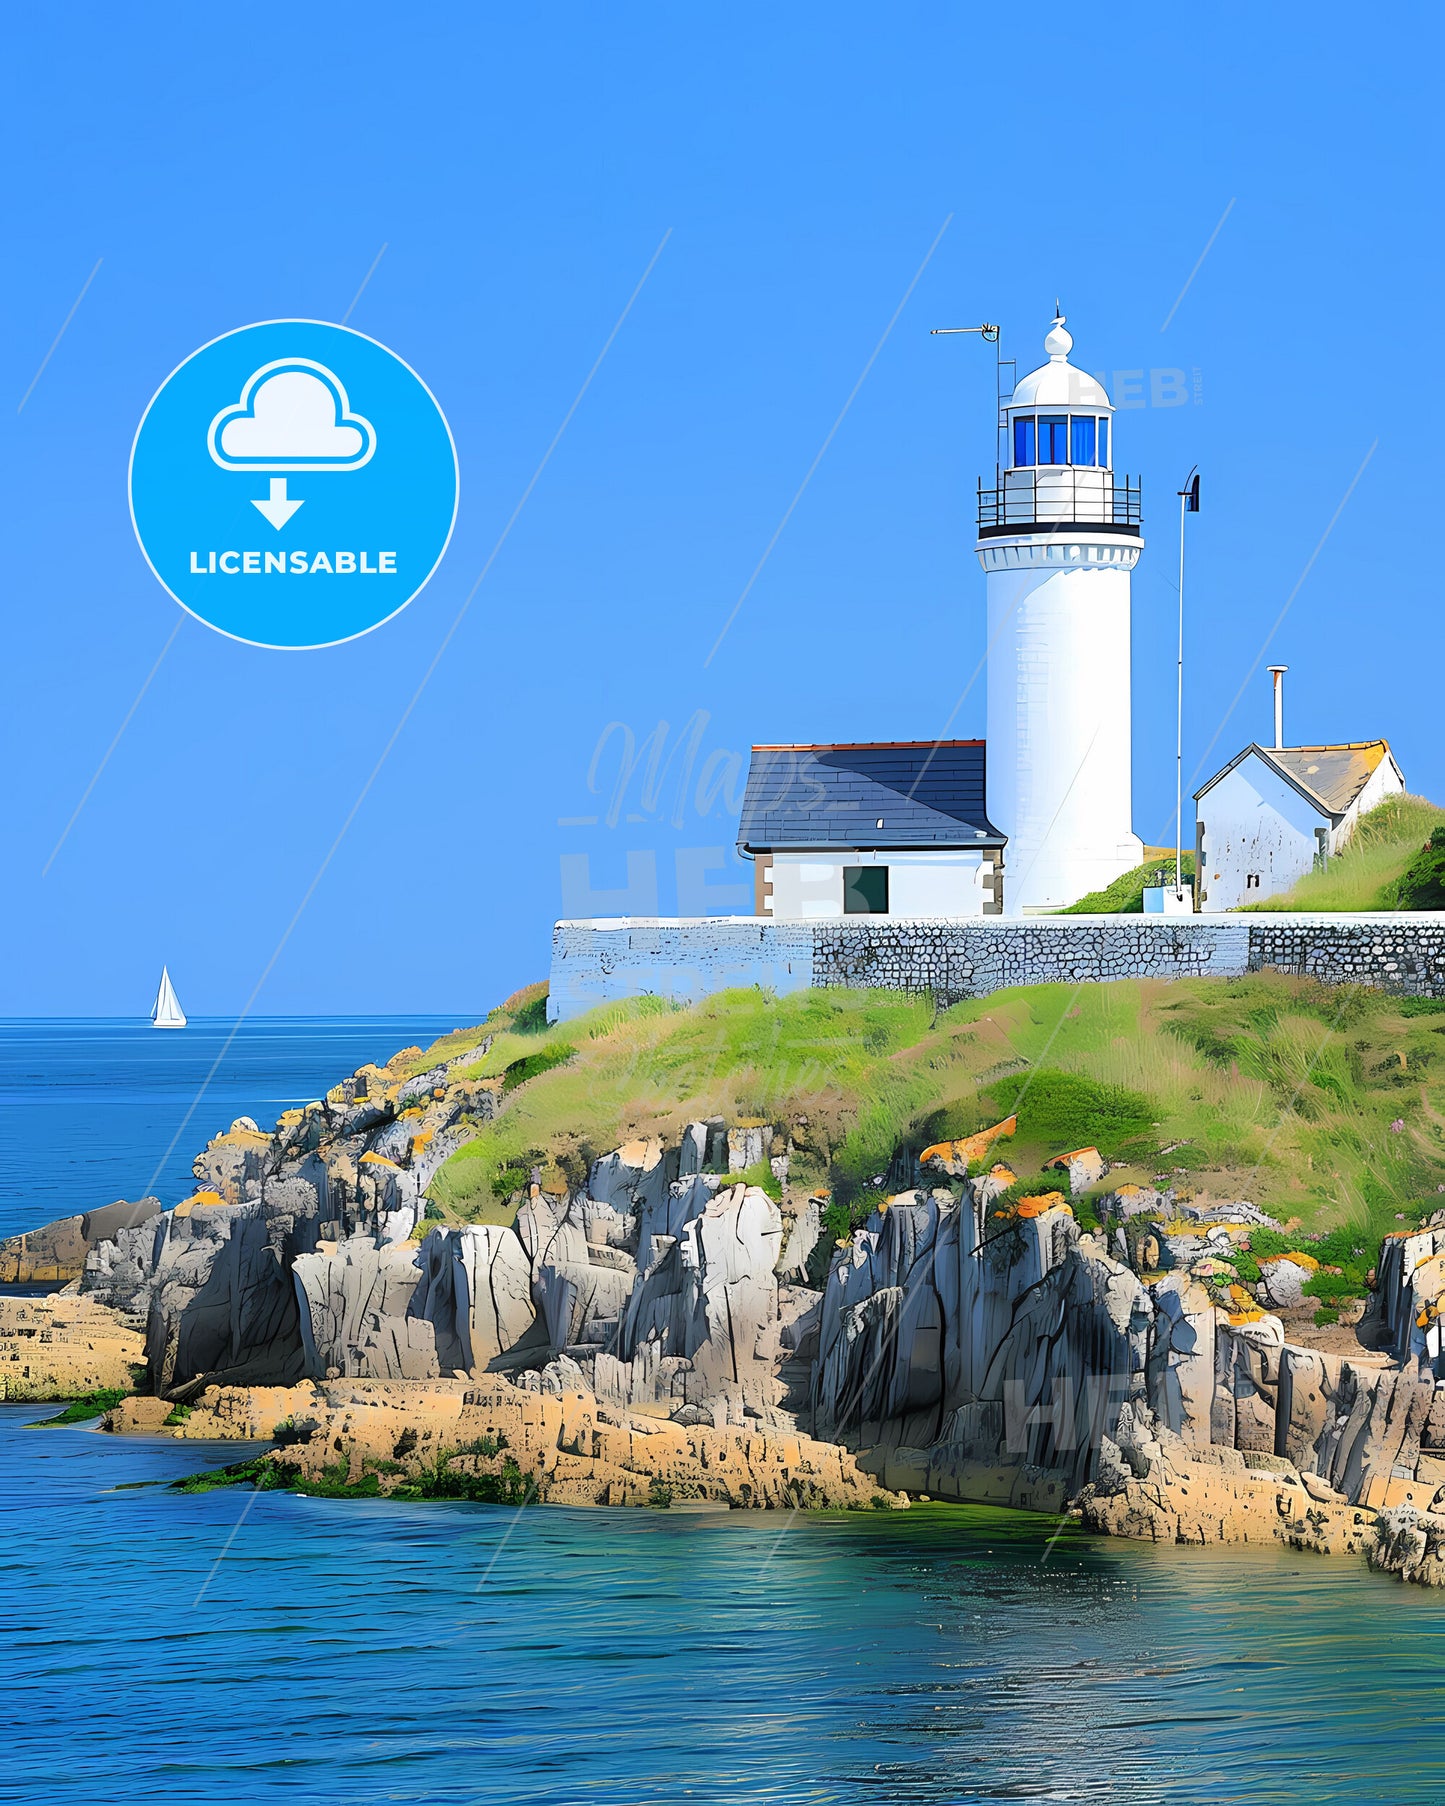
x: 1324, y: 1104
x: 1125, y: 896
x: 1368, y: 873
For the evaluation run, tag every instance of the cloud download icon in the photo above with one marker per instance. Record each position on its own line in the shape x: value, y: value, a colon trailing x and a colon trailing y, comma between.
x: 292, y: 415
x: 284, y: 398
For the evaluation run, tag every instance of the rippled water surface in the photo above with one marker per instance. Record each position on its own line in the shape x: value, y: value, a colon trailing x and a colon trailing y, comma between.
x: 238, y: 1646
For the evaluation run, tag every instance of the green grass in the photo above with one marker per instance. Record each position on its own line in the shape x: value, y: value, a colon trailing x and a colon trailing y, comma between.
x: 760, y: 1174
x: 645, y: 1067
x: 1366, y: 874
x: 1068, y: 1110
x: 1267, y: 1087
x: 509, y: 1487
x: 85, y: 1408
x: 532, y: 1066
x: 1125, y: 896
x: 1422, y: 883
x: 523, y: 1014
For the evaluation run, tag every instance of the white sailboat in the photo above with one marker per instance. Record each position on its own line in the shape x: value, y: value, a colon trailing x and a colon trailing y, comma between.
x: 167, y: 1012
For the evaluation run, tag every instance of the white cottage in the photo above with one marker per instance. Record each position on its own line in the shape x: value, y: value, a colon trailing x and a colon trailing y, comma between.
x: 881, y: 828
x: 1274, y: 813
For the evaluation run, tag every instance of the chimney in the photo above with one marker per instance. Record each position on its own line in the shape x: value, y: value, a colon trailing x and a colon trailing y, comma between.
x: 1277, y: 673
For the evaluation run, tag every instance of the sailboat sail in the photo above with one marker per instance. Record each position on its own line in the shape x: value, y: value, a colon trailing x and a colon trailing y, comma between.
x: 167, y: 1012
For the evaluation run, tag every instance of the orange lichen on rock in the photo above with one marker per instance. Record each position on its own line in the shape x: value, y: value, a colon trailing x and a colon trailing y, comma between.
x: 374, y: 1159
x: 957, y: 1156
x: 198, y: 1200
x: 1245, y: 1309
x: 1074, y: 1154
x: 1049, y: 1200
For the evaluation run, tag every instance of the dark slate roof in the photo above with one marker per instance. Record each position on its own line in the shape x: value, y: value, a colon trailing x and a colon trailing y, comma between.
x: 927, y: 793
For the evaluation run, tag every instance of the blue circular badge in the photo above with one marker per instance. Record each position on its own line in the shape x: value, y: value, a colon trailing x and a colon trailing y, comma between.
x: 293, y: 484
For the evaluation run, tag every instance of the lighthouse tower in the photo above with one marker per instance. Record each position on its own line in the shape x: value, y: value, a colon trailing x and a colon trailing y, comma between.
x: 1058, y: 535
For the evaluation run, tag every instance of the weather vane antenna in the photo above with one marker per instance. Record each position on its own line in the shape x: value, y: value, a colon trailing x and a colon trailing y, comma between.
x: 989, y: 332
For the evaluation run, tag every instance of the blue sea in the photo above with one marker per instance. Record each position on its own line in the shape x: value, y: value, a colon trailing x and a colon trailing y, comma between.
x: 234, y: 1646
x: 95, y: 1110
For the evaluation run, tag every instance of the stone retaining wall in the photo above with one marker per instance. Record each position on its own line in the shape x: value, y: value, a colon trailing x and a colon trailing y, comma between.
x: 684, y: 959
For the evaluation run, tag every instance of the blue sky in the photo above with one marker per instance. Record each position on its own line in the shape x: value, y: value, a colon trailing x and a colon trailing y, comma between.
x: 522, y: 166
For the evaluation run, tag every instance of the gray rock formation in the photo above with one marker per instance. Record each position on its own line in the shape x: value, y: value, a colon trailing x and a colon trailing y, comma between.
x: 356, y: 1313
x: 709, y: 1298
x: 978, y: 1356
x: 804, y: 1234
x: 965, y: 1343
x: 216, y: 1279
x: 55, y: 1253
x: 1282, y: 1284
x: 219, y: 1301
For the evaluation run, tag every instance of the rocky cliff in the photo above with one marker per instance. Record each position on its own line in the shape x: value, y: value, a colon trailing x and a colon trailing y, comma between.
x: 968, y: 1341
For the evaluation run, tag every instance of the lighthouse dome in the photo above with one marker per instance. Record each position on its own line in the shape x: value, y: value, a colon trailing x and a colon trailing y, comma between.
x: 1058, y: 383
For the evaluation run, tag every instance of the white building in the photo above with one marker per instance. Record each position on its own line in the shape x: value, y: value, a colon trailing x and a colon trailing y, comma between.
x: 1274, y: 813
x: 1058, y: 537
x: 891, y: 828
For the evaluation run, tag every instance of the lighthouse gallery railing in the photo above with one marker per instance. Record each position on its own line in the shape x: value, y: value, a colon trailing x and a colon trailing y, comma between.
x: 1054, y: 499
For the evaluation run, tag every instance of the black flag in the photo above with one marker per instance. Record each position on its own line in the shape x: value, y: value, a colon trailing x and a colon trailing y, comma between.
x: 1191, y: 497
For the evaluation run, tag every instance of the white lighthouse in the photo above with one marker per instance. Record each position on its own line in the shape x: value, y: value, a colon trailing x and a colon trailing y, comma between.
x: 1058, y: 535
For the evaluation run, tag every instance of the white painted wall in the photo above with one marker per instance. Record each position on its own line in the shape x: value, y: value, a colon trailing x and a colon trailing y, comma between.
x: 1059, y: 740
x: 926, y: 884
x: 1385, y: 780
x: 1254, y: 822
x: 930, y: 885
x: 804, y: 890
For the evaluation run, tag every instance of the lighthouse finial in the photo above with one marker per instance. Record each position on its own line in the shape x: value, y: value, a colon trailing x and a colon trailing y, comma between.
x: 1058, y: 342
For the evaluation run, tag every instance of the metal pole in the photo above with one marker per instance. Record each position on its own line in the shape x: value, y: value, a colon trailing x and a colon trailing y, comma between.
x: 1277, y: 673
x: 1179, y: 722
